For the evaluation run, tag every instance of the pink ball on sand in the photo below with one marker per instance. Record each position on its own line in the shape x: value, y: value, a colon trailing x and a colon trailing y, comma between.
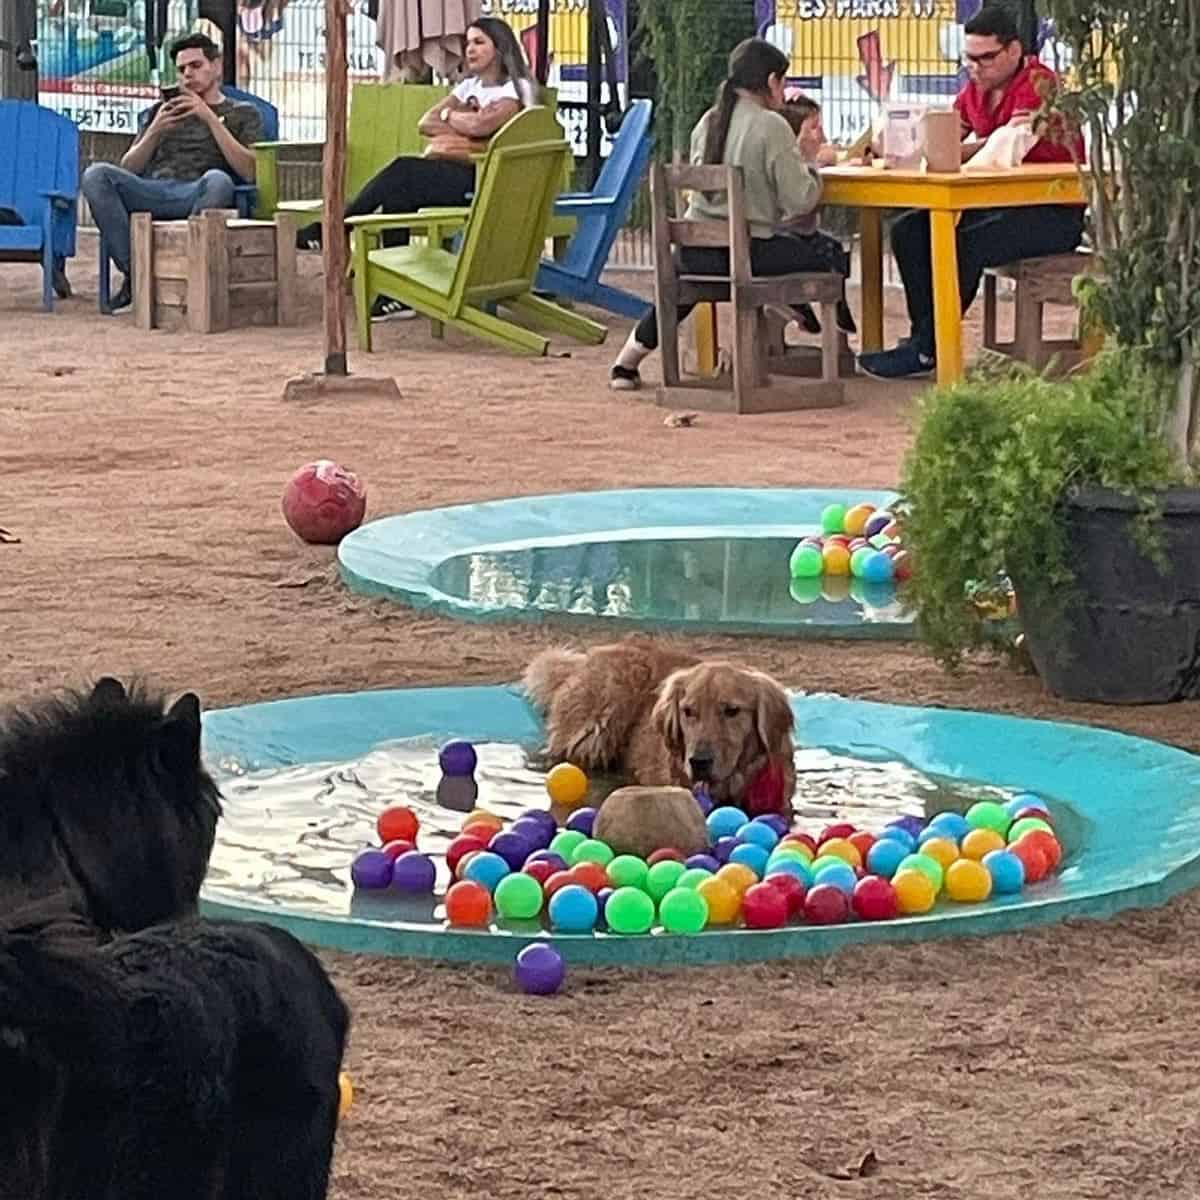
x: 323, y: 502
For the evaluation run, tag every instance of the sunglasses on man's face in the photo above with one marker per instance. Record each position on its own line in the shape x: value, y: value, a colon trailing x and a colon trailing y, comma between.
x: 982, y: 59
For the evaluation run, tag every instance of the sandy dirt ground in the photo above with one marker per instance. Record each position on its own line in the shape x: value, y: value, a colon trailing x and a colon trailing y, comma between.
x: 142, y: 474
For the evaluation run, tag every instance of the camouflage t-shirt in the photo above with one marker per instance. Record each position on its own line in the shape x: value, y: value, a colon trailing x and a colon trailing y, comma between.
x: 189, y: 149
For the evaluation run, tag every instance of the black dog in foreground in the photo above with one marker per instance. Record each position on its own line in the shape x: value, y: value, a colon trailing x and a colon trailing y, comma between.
x: 192, y: 1061
x: 104, y: 799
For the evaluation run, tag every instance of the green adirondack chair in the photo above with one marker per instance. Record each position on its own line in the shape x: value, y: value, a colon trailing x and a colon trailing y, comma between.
x: 502, y: 236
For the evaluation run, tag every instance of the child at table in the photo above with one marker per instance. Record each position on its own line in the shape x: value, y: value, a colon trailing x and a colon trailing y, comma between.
x: 803, y: 114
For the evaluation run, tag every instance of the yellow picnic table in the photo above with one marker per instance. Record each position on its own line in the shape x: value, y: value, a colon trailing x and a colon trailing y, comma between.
x: 946, y: 196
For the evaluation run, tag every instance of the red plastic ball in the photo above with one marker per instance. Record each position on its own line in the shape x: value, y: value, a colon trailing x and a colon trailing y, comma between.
x: 540, y: 870
x: 841, y: 829
x: 874, y: 899
x: 902, y: 566
x: 665, y: 855
x: 397, y: 824
x: 862, y: 842
x: 398, y: 847
x: 1032, y: 811
x: 764, y: 906
x: 462, y: 845
x: 557, y: 881
x: 591, y: 875
x: 323, y: 502
x: 826, y: 905
x: 1033, y: 858
x: 793, y: 889
x: 468, y: 904
x: 1050, y: 846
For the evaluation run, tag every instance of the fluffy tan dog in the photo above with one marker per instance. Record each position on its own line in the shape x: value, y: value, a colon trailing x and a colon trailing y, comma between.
x: 663, y: 717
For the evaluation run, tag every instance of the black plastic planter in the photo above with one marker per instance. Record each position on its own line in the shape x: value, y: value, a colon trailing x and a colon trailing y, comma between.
x: 1128, y: 634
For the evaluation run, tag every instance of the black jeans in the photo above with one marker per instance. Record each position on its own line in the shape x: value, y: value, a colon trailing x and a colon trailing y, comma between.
x: 779, y: 255
x: 988, y: 237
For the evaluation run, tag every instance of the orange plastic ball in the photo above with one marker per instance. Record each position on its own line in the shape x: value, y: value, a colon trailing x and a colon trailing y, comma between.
x: 862, y: 842
x: 590, y: 874
x: 468, y: 905
x: 723, y: 899
x: 397, y: 824
x: 844, y: 849
x: 968, y: 881
x: 739, y: 877
x: 979, y: 842
x: 915, y: 893
x: 942, y: 850
x: 483, y: 830
x: 836, y: 559
x: 483, y: 817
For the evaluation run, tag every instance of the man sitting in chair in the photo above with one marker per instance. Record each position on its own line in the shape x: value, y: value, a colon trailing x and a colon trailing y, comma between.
x: 1005, y: 88
x: 188, y: 157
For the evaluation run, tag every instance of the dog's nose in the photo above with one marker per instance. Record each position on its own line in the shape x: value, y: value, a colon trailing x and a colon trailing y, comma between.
x: 701, y: 765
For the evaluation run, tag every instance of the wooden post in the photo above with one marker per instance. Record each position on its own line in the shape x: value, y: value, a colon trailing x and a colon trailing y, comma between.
x: 141, y: 262
x: 333, y: 188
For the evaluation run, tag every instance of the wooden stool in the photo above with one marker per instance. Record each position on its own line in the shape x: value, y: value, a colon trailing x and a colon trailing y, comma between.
x: 1039, y: 281
x: 213, y: 272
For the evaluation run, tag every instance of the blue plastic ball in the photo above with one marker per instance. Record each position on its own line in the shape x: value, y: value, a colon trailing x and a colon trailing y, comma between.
x: 725, y: 822
x: 886, y: 855
x: 893, y: 833
x: 1024, y: 800
x: 1007, y: 872
x: 725, y: 847
x: 752, y: 856
x: 486, y: 868
x: 573, y: 909
x: 953, y: 825
x: 877, y: 568
x: 582, y: 820
x: 790, y: 866
x: 841, y: 876
x: 757, y: 834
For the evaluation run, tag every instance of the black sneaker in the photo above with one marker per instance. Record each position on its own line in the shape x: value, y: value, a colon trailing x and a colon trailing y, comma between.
x: 309, y: 237
x: 123, y: 298
x: 807, y: 319
x: 624, y: 379
x: 904, y: 362
x: 845, y: 318
x: 387, y: 309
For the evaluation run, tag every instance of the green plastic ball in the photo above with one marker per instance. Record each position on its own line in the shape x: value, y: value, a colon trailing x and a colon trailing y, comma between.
x: 805, y: 591
x: 518, y: 897
x: 823, y: 862
x: 929, y: 867
x: 806, y: 561
x: 629, y: 910
x: 662, y: 877
x: 1027, y: 825
x: 833, y: 518
x: 987, y: 814
x: 592, y: 850
x: 693, y: 877
x: 858, y: 560
x: 683, y: 911
x: 564, y: 843
x: 627, y: 870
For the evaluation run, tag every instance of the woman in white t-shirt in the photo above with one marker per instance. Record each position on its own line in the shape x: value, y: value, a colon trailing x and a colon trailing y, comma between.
x: 497, y: 86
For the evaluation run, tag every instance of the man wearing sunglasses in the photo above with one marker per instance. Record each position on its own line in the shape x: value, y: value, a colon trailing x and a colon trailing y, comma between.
x: 1004, y: 88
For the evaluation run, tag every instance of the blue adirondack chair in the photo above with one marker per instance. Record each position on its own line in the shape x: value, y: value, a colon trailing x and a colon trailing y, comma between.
x: 39, y: 180
x: 600, y: 214
x: 244, y: 194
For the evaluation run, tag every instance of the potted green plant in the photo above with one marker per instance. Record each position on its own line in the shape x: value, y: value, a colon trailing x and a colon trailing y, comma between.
x: 1079, y: 490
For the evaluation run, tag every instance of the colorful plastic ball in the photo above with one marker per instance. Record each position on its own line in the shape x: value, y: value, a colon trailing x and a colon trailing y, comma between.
x: 693, y: 877
x: 486, y: 868
x: 843, y: 848
x: 793, y: 867
x: 1050, y: 845
x: 1028, y: 825
x: 573, y: 909
x: 855, y: 520
x: 874, y: 899
x: 556, y: 860
x: 458, y: 758
x: 755, y: 833
x: 724, y: 902
x: 394, y: 849
x: 564, y: 843
x: 542, y: 816
x: 878, y: 521
x: 414, y: 873
x: 323, y: 502
x: 483, y: 830
x: 592, y: 875
x: 775, y: 821
x: 627, y: 870
x: 662, y: 877
x: 886, y: 856
x: 1032, y: 810
x: 915, y: 893
x: 825, y: 862
x: 805, y: 562
x: 593, y: 850
x: 910, y: 823
x: 397, y: 823
x: 862, y: 841
x: 877, y: 568
x: 930, y: 867
x: 602, y: 900
x: 683, y: 910
x: 371, y: 869
x: 968, y: 881
x: 540, y: 870
x: 951, y: 824
x: 902, y: 565
x: 738, y: 876
x: 703, y: 862
x: 666, y: 854
x: 858, y: 560
x: 539, y: 970
x: 805, y: 591
x: 534, y: 832
x: 468, y: 905
x: 977, y: 843
x: 556, y: 883
x: 894, y: 833
x: 794, y: 890
x: 511, y: 847
x: 1024, y: 800
x: 836, y: 560
x: 464, y: 862
x: 838, y: 829
x: 582, y: 820
x: 566, y: 785
x: 802, y: 839
x: 838, y: 874
x: 725, y: 821
x: 518, y: 897
x: 1007, y: 872
x: 764, y: 906
x: 488, y: 818
x: 833, y: 518
x: 988, y: 814
x: 749, y: 855
x: 942, y: 850
x: 826, y: 905
x: 724, y: 847
x: 703, y: 799
x: 345, y: 1094
x: 1033, y: 858
x: 630, y: 911
x: 789, y: 850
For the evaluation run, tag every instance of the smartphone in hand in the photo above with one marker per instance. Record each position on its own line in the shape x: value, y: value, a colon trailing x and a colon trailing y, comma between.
x: 171, y: 92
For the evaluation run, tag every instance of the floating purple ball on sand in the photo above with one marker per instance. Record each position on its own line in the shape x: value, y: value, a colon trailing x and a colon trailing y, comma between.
x: 458, y: 758
x: 372, y: 869
x: 539, y: 970
x: 725, y: 847
x: 582, y: 820
x: 775, y: 821
x: 511, y: 847
x: 705, y: 861
x: 555, y: 860
x: 414, y: 872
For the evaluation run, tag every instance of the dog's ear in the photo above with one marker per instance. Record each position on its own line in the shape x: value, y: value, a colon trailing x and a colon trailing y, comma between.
x: 773, y: 715
x: 181, y: 730
x: 109, y: 691
x: 665, y: 714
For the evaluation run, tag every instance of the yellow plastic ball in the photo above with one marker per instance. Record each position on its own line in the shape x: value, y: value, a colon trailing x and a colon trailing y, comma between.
x: 723, y: 900
x: 843, y: 849
x: 915, y: 892
x: 567, y: 785
x: 739, y: 877
x: 942, y: 850
x: 345, y: 1094
x: 481, y: 816
x: 979, y: 842
x: 856, y: 519
x: 836, y: 559
x: 968, y: 881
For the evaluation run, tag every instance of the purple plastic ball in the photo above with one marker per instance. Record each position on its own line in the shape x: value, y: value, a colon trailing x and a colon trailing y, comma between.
x: 725, y: 847
x: 458, y: 758
x: 602, y: 899
x: 414, y: 872
x: 705, y: 861
x: 703, y: 798
x: 542, y: 816
x: 582, y: 820
x: 534, y: 832
x: 555, y: 860
x: 775, y: 821
x: 539, y: 970
x: 511, y: 847
x: 371, y: 869
x: 910, y: 824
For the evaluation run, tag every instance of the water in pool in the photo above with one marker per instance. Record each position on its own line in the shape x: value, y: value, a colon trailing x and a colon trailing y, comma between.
x: 734, y: 582
x: 288, y: 835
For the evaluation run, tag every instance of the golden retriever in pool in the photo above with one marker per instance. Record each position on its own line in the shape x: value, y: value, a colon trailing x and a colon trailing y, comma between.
x: 662, y: 717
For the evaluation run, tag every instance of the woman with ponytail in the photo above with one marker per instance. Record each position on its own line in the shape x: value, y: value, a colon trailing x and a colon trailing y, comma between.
x: 745, y: 129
